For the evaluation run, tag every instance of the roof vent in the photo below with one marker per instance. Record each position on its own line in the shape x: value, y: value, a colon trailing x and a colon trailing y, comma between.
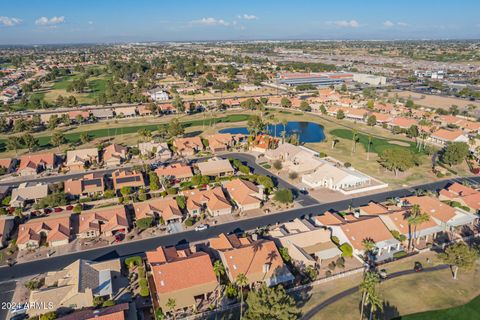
x: 162, y: 283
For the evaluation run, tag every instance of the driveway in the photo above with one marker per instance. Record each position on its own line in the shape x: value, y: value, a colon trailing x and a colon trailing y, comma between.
x: 175, y: 227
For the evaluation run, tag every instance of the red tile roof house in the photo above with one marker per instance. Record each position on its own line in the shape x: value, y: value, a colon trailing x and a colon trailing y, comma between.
x: 264, y: 142
x: 188, y: 146
x: 451, y: 219
x: 165, y: 208
x: 54, y: 230
x: 114, y: 155
x: 31, y: 164
x: 259, y: 261
x: 355, y: 232
x: 87, y: 185
x: 104, y: 221
x: 212, y: 201
x: 466, y: 196
x: 220, y: 142
x: 77, y: 115
x: 9, y: 164
x: 245, y: 194
x: 182, y: 275
x: 425, y: 232
x: 403, y: 123
x: 443, y: 136
x: 127, y: 178
x: 176, y: 171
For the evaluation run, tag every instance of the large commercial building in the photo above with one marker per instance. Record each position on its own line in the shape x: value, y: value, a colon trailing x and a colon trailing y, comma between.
x: 317, y: 79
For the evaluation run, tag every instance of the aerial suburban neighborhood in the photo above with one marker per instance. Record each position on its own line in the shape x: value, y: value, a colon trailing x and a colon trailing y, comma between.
x: 230, y: 160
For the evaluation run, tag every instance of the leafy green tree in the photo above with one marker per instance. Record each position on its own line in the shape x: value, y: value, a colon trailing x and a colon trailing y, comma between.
x: 371, y: 120
x: 323, y: 110
x: 454, y: 153
x: 266, y: 182
x: 277, y: 165
x: 284, y: 254
x: 13, y: 143
x: 340, y: 114
x: 52, y: 315
x: 178, y: 104
x: 398, y: 159
x: 175, y: 128
x: 29, y: 141
x: 413, y: 131
x: 58, y: 139
x: 154, y: 181
x: 283, y: 196
x: 181, y: 202
x: 271, y: 303
x: 459, y: 256
x: 85, y: 137
x: 144, y: 223
x: 304, y: 106
x: 285, y: 103
x: 144, y: 134
x: 171, y: 304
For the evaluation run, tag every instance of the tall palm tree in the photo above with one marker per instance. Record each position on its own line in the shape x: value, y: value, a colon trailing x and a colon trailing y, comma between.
x: 284, y: 132
x: 415, y: 218
x: 275, y: 122
x: 367, y: 288
x: 368, y: 146
x: 219, y: 271
x: 241, y: 282
x: 354, y: 140
x: 375, y: 302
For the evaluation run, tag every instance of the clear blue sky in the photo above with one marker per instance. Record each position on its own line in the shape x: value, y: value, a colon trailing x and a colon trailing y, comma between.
x: 78, y: 21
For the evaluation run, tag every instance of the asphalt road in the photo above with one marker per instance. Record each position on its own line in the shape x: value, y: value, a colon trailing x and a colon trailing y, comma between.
x: 310, y: 314
x: 140, y: 246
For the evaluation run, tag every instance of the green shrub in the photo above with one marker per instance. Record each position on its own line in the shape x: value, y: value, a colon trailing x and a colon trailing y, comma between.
x: 108, y: 303
x: 347, y: 250
x: 399, y: 254
x: 77, y: 208
x: 189, y: 222
x: 133, y: 261
x: 143, y: 283
x: 283, y: 196
x: 172, y: 191
x: 144, y: 223
x: 141, y: 272
x: 335, y: 240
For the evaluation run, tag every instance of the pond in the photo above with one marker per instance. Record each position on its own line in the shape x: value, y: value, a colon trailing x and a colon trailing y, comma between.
x: 307, y: 131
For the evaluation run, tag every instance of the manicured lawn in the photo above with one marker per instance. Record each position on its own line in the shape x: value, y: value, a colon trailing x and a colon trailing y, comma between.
x: 44, y: 141
x: 378, y: 144
x: 469, y: 311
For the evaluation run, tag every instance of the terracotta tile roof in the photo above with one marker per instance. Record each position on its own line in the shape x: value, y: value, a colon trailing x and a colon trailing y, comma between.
x: 374, y: 209
x: 329, y: 219
x: 461, y: 190
x: 167, y: 208
x: 359, y: 230
x: 403, y: 122
x: 177, y: 171
x: 214, y: 199
x: 242, y: 191
x: 34, y: 160
x: 252, y: 259
x: 114, y: 151
x: 6, y: 163
x: 188, y: 144
x: 434, y: 207
x: 400, y: 220
x: 447, y: 135
x: 57, y: 228
x: 224, y: 242
x: 127, y: 178
x: 186, y: 271
x: 103, y: 220
x: 219, y: 140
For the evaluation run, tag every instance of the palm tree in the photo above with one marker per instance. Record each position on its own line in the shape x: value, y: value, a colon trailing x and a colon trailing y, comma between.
x: 13, y: 143
x: 84, y: 138
x: 241, y: 282
x: 284, y: 132
x: 171, y: 304
x: 354, y: 140
x: 415, y: 217
x: 275, y: 122
x: 368, y: 246
x: 375, y: 302
x: 219, y: 271
x: 145, y: 134
x: 368, y: 146
x: 367, y: 288
x: 334, y: 142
